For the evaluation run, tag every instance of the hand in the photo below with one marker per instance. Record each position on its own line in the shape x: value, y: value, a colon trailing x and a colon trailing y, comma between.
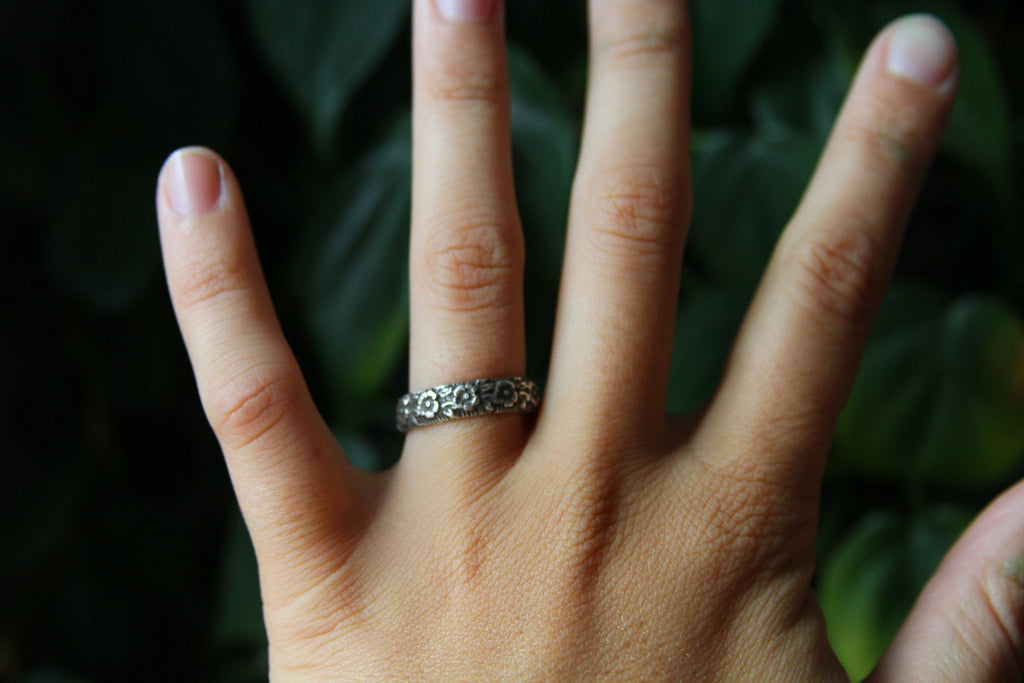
x: 599, y: 539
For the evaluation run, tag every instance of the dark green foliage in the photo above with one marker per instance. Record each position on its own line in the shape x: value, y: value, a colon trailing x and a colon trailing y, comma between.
x: 321, y: 51
x: 349, y: 272
x: 707, y: 322
x: 727, y: 36
x: 939, y: 399
x: 870, y: 582
x: 746, y: 186
x: 123, y: 554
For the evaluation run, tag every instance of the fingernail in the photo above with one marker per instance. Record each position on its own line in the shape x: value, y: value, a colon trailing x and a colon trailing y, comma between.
x: 193, y: 182
x: 922, y: 49
x: 467, y: 10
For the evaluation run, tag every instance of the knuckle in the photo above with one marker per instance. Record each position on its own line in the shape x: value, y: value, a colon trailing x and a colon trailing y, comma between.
x: 209, y: 279
x: 468, y: 84
x: 654, y: 32
x: 644, y: 46
x: 473, y: 268
x: 837, y: 274
x: 890, y: 135
x: 640, y: 211
x: 752, y: 508
x: 250, y: 406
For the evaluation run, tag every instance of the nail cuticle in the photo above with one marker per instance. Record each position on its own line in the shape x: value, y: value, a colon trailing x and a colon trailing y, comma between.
x: 479, y: 11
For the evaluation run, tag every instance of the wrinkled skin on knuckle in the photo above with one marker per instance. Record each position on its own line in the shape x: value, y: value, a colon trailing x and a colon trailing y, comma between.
x: 472, y: 268
x: 642, y: 47
x: 640, y: 212
x: 248, y: 406
x: 887, y: 134
x: 467, y: 84
x: 642, y: 34
x: 836, y: 275
x: 209, y: 277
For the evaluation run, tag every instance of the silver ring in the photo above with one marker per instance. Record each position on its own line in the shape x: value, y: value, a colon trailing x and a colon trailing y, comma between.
x: 467, y: 399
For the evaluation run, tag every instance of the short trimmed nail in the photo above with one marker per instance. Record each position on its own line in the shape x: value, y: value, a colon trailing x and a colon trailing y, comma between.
x: 467, y: 10
x: 922, y: 49
x: 193, y: 182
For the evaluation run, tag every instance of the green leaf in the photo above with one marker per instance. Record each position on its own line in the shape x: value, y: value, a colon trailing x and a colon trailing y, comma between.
x: 322, y: 51
x: 804, y: 93
x: 555, y: 33
x: 976, y: 431
x: 545, y: 147
x: 705, y: 330
x: 727, y: 35
x: 745, y: 189
x: 940, y: 394
x: 872, y: 580
x: 979, y: 130
x: 363, y: 452
x: 352, y: 275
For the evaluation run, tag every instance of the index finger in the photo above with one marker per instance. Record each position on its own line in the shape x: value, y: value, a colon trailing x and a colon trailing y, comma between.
x: 798, y: 350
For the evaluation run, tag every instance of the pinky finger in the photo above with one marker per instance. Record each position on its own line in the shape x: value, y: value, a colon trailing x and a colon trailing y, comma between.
x: 968, y: 624
x: 291, y: 479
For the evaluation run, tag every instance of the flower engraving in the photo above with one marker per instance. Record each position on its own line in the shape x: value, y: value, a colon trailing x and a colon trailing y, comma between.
x: 427, y: 405
x: 505, y: 394
x: 466, y: 397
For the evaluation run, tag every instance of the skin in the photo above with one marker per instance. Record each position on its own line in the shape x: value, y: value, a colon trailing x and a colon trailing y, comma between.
x: 598, y: 539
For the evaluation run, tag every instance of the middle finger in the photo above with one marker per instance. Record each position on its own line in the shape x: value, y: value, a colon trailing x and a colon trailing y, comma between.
x: 628, y: 219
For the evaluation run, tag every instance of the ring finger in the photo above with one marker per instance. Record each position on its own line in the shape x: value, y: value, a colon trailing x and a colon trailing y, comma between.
x: 466, y: 247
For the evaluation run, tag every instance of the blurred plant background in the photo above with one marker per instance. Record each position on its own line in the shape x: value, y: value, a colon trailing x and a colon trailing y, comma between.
x: 122, y: 555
